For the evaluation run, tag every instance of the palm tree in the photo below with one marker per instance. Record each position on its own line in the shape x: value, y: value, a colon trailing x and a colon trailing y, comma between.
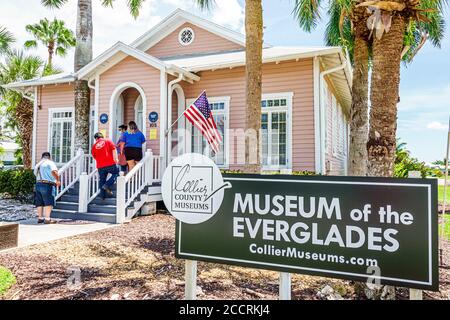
x: 253, y: 73
x: 83, y: 55
x: 6, y: 39
x: 52, y: 34
x: 19, y: 107
x: 389, y: 22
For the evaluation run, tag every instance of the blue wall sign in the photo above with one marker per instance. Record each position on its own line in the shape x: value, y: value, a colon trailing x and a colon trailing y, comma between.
x: 104, y: 118
x: 153, y: 116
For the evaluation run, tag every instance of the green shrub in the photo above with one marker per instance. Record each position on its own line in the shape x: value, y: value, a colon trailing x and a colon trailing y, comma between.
x: 17, y: 183
x: 7, y: 279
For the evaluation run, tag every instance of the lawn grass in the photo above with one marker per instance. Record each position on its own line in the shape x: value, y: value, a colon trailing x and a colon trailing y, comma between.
x: 7, y: 279
x: 444, y: 230
x: 441, y: 193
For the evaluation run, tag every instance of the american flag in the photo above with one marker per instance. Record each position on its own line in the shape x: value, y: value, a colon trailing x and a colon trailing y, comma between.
x: 200, y: 115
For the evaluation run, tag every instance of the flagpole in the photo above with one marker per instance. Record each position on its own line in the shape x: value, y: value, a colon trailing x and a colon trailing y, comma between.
x: 171, y: 126
x: 446, y: 170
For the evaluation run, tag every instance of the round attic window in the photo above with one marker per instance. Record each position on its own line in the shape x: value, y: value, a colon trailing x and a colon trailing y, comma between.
x: 186, y: 36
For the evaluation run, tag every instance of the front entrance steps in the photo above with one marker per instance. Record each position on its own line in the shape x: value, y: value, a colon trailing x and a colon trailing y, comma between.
x: 100, y: 210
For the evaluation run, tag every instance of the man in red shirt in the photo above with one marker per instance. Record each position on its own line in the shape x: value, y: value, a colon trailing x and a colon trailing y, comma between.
x: 105, y: 154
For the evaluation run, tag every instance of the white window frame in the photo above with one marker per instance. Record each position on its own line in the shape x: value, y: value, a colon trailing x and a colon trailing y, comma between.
x: 52, y: 111
x: 334, y: 126
x: 140, y: 124
x: 181, y: 32
x: 226, y: 112
x: 288, y: 108
x: 325, y: 97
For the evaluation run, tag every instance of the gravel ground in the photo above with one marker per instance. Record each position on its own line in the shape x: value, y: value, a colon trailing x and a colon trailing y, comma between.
x: 136, y: 261
x: 14, y: 210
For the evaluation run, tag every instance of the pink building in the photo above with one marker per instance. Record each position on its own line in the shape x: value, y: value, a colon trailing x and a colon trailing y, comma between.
x: 305, y: 107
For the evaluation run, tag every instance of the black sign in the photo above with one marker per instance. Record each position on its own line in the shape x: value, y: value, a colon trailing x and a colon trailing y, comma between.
x: 379, y: 230
x: 153, y: 117
x: 104, y: 118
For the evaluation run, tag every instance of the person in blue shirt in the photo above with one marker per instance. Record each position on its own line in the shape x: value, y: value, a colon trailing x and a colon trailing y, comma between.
x: 134, y: 139
x: 47, y: 180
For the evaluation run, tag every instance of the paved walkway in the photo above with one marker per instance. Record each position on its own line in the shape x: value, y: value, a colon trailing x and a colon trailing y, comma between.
x: 32, y: 233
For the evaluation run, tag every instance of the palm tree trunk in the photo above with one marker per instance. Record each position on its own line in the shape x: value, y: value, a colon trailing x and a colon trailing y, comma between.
x: 83, y: 55
x: 384, y: 97
x: 253, y: 72
x: 24, y: 117
x: 359, y: 127
x: 51, y: 50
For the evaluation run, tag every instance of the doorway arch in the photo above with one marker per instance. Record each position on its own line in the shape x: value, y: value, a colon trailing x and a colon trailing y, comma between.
x: 114, y: 104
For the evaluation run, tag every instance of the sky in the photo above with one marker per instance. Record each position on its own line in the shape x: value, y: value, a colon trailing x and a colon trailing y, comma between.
x: 424, y: 108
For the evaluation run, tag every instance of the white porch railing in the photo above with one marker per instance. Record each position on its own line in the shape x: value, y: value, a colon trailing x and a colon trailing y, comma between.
x: 131, y: 185
x: 89, y: 189
x: 70, y: 173
x: 157, y: 170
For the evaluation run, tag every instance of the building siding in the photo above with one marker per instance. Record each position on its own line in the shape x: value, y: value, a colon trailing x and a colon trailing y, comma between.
x: 336, y: 153
x: 291, y: 76
x: 145, y: 76
x: 204, y: 42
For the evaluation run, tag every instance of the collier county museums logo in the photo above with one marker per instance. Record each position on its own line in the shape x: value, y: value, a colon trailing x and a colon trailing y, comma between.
x: 193, y: 188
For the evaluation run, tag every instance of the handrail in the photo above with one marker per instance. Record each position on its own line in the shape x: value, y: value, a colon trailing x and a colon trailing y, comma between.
x: 94, y: 188
x: 69, y: 174
x: 131, y: 185
x: 65, y: 167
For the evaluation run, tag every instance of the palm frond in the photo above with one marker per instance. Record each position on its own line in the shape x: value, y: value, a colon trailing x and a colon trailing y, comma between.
x: 6, y: 40
x: 205, y: 4
x: 57, y: 4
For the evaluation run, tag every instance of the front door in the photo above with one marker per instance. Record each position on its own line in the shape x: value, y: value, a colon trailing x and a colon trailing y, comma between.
x: 118, y: 118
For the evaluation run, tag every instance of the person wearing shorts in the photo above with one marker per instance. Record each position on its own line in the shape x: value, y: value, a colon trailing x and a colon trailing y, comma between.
x: 105, y: 154
x: 120, y: 149
x: 47, y: 179
x: 133, y: 139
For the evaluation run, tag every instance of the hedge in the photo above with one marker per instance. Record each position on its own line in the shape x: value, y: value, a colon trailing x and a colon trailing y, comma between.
x: 17, y: 183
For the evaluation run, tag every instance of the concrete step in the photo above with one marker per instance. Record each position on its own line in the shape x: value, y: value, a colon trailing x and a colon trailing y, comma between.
x: 91, y: 216
x: 107, y: 201
x: 102, y: 208
x: 66, y: 205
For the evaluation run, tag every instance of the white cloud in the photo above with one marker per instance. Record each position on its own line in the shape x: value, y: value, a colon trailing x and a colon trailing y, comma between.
x: 229, y: 13
x: 436, y: 125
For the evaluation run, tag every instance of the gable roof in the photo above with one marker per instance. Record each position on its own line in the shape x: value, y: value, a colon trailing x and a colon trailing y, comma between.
x: 177, y: 19
x: 120, y: 51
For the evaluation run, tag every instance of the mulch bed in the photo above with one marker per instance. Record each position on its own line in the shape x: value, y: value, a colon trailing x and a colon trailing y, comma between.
x: 136, y: 261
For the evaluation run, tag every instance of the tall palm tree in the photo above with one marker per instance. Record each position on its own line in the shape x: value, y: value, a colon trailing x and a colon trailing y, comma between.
x: 253, y: 74
x: 6, y: 40
x: 83, y: 55
x: 389, y: 22
x: 18, y: 67
x: 347, y: 27
x: 54, y: 35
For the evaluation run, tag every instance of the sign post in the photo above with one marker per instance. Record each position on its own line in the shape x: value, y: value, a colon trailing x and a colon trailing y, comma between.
x: 285, y: 286
x: 190, y: 290
x: 415, y: 294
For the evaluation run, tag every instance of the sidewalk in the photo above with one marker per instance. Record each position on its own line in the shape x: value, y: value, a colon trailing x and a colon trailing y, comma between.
x: 31, y: 233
